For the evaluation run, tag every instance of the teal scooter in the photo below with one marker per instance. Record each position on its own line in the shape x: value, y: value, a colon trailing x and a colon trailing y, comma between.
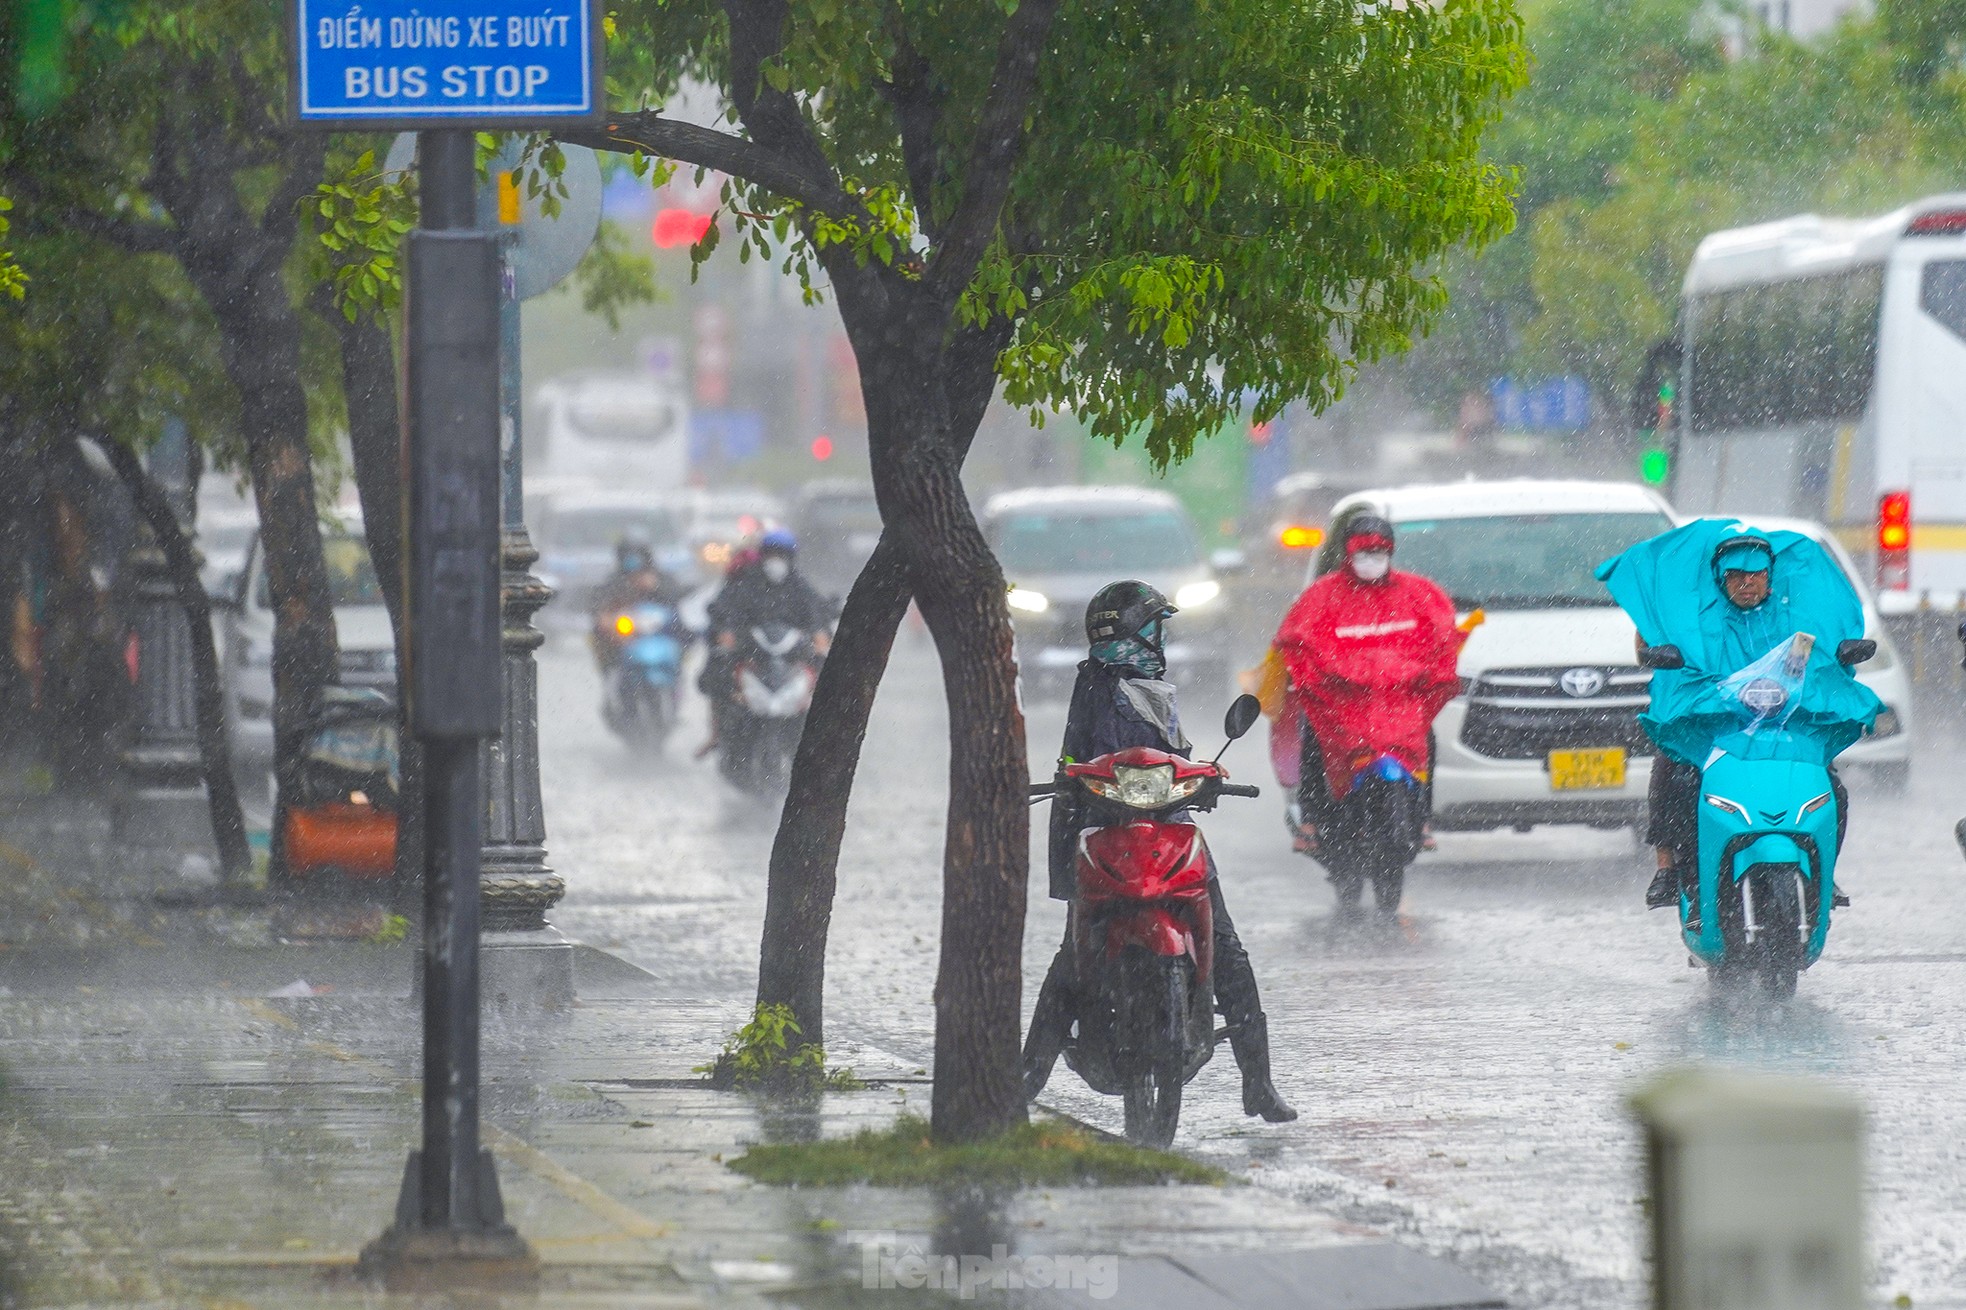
x: 1767, y: 821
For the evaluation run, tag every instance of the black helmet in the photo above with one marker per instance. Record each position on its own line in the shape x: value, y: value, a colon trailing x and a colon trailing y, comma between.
x: 634, y: 551
x: 1122, y: 609
x: 1367, y: 525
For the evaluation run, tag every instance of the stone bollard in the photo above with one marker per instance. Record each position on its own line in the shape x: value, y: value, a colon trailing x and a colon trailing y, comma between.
x: 1757, y: 1192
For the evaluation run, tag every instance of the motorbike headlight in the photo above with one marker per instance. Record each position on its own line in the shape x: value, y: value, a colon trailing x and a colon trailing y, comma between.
x: 1731, y: 807
x: 1197, y: 594
x: 1810, y: 807
x: 1143, y: 788
x: 625, y: 624
x: 1031, y: 602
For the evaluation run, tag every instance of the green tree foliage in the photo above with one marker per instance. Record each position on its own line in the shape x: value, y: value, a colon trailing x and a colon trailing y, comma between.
x: 13, y: 279
x: 1156, y: 213
x: 1638, y: 135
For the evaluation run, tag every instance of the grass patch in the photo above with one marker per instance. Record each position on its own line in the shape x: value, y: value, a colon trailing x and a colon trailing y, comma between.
x: 1050, y: 1154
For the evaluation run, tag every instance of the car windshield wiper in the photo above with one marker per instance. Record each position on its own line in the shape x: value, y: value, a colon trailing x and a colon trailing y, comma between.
x: 1536, y: 602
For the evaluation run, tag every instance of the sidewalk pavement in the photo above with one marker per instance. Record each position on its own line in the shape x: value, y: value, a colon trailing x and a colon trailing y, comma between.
x: 172, y: 1133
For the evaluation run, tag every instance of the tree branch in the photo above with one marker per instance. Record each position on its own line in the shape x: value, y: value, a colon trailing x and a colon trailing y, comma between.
x: 649, y: 133
x: 917, y: 110
x: 40, y: 212
x: 306, y: 157
x: 993, y: 155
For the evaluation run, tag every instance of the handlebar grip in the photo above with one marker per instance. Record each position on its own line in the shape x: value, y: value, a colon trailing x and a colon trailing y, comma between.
x: 1237, y: 789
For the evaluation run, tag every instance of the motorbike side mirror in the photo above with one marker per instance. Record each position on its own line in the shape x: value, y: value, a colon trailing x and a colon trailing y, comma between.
x: 1849, y: 653
x: 1242, y: 715
x: 1661, y: 657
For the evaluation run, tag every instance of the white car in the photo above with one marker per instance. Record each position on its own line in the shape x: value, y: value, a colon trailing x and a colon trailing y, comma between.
x: 1546, y: 728
x: 1885, y: 751
x: 368, y: 647
x: 1060, y: 545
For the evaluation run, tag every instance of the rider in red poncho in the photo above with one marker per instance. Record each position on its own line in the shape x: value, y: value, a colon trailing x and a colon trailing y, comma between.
x: 1371, y: 655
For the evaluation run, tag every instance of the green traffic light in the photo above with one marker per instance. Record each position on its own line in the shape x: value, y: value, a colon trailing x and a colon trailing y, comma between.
x: 1654, y: 465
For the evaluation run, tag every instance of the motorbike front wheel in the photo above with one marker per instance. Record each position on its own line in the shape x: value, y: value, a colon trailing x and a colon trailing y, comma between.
x: 1781, y: 933
x: 1152, y: 1023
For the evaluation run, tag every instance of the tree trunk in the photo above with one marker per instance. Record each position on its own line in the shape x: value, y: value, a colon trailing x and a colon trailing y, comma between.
x: 986, y: 855
x: 260, y: 336
x: 375, y: 437
x: 805, y: 855
x: 214, y: 750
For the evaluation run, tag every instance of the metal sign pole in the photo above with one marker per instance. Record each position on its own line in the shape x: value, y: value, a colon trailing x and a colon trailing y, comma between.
x: 450, y: 1220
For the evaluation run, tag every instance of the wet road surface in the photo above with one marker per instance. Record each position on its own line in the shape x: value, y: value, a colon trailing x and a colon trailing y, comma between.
x: 1461, y: 1077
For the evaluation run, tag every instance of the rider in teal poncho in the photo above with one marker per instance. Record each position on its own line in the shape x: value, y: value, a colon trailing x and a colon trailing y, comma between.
x: 1727, y: 594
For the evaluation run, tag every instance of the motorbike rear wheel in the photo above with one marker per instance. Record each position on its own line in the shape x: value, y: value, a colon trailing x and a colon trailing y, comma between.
x: 1388, y: 885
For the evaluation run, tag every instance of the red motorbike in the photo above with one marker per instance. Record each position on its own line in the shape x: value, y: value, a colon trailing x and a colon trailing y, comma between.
x: 1142, y: 928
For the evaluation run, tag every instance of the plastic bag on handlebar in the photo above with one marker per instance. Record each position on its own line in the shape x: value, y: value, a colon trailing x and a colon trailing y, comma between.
x: 1766, y: 692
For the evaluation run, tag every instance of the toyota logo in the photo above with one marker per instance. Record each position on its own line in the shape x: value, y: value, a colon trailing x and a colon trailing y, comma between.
x: 1581, y: 682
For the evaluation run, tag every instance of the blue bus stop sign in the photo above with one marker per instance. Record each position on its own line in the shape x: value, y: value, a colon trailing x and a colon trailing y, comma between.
x: 433, y: 64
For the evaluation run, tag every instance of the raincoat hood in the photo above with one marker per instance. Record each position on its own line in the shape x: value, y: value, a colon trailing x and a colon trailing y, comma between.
x: 1670, y: 586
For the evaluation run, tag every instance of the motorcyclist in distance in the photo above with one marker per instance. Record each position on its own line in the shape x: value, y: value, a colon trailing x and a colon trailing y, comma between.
x: 1121, y: 700
x: 764, y: 589
x: 637, y: 580
x: 1743, y: 571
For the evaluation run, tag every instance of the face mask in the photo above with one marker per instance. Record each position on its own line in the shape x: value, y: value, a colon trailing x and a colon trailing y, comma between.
x: 777, y: 570
x: 1131, y: 653
x: 1372, y: 565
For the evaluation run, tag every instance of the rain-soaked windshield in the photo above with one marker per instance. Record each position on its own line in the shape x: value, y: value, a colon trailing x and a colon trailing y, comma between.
x: 1521, y: 561
x: 351, y: 575
x: 1095, y: 543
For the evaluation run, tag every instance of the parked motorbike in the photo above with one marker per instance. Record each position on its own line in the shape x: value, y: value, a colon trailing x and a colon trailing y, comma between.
x: 641, y: 685
x: 776, y: 670
x: 1142, y: 928
x: 1372, y: 833
x: 1767, y: 826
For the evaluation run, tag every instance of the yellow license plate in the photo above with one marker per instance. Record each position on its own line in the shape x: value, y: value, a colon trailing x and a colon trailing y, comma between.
x: 1593, y: 770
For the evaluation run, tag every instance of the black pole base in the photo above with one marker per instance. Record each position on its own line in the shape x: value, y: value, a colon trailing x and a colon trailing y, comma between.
x: 483, y: 1252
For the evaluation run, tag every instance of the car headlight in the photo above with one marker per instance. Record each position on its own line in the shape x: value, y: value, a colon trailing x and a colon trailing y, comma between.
x: 1149, y: 788
x: 1197, y: 594
x: 1732, y: 807
x: 1031, y: 602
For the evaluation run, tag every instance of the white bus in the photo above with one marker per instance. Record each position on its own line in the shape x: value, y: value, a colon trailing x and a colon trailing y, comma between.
x: 1821, y: 369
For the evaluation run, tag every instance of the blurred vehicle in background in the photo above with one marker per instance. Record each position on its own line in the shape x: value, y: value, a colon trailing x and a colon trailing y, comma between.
x: 368, y: 646
x: 723, y: 518
x: 1546, y: 728
x: 617, y: 429
x: 838, y: 525
x: 1884, y: 751
x: 576, y: 533
x: 1283, y: 534
x: 1060, y: 545
x: 223, y: 538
